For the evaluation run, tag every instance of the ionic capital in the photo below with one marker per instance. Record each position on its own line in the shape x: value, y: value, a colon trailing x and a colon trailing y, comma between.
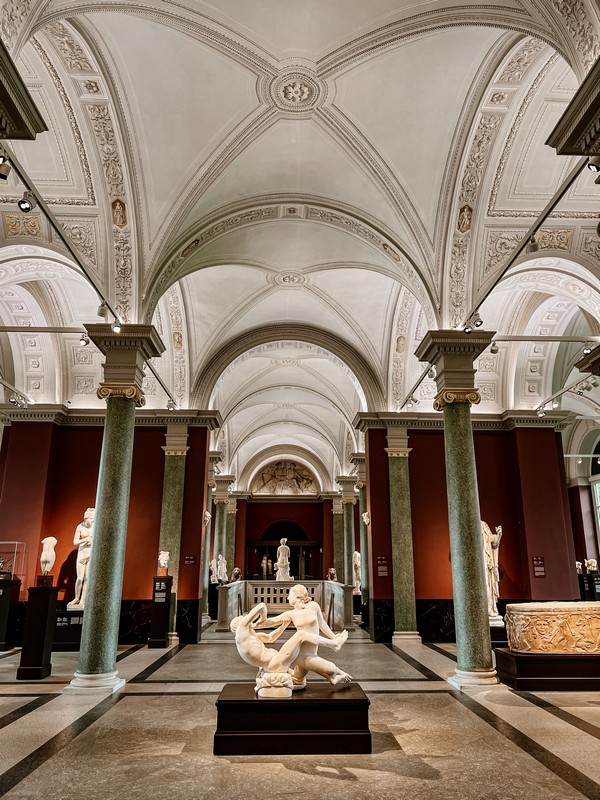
x: 107, y: 391
x: 448, y: 396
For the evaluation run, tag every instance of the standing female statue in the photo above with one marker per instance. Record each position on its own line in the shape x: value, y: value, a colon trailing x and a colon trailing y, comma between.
x: 83, y: 540
x: 282, y: 566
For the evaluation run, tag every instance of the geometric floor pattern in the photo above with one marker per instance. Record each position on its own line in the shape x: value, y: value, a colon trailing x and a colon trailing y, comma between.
x: 154, y: 738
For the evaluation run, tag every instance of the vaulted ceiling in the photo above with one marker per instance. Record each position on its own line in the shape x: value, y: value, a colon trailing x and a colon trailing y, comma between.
x: 294, y: 195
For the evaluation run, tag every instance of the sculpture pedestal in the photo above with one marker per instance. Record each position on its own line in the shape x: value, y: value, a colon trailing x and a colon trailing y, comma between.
x: 39, y: 632
x: 161, y: 605
x: 550, y: 672
x: 319, y: 720
x: 67, y: 634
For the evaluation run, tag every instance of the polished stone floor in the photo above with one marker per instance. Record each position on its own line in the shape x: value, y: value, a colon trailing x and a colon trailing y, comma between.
x: 154, y: 738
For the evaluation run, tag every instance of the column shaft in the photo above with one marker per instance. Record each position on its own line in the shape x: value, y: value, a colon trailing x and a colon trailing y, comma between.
x: 103, y: 601
x: 338, y: 544
x: 207, y: 544
x: 473, y: 648
x: 364, y: 545
x: 405, y: 615
x: 348, y: 543
x: 220, y: 529
x: 170, y: 521
x: 230, y: 541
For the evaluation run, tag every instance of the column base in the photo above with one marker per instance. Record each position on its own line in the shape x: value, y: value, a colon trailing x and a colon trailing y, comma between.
x: 496, y: 622
x: 105, y: 682
x: 406, y: 637
x: 172, y: 638
x: 463, y: 677
x: 206, y: 619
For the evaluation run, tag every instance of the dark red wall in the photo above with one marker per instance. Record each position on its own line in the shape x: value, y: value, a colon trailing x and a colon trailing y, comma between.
x: 582, y: 521
x: 378, y: 506
x: 194, y: 505
x: 261, y: 514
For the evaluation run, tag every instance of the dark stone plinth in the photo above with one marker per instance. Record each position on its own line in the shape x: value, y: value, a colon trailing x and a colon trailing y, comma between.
x: 44, y: 580
x: 498, y: 636
x: 381, y: 619
x: 39, y: 632
x: 9, y: 598
x: 161, y: 604
x: 552, y: 672
x: 67, y: 633
x: 321, y: 719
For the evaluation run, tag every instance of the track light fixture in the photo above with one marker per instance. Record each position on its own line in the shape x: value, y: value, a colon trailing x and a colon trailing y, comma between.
x: 532, y: 245
x: 474, y: 321
x: 412, y: 401
x: 27, y: 203
x: 580, y: 460
x: 431, y: 374
x: 4, y: 168
x: 102, y: 310
x: 555, y: 404
x: 587, y: 348
x: 541, y: 412
x: 84, y: 340
x: 171, y: 405
x: 116, y: 327
x: 468, y: 328
x: 594, y: 164
x: 494, y: 348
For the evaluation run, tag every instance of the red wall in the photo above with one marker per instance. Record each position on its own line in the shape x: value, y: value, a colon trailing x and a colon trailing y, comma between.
x: 582, y: 521
x: 378, y: 506
x: 194, y: 505
x: 259, y: 515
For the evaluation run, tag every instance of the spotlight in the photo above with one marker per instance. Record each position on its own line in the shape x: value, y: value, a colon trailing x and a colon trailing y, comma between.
x: 477, y: 321
x: 595, y: 381
x: 84, y: 340
x: 587, y: 349
x: 580, y: 392
x: 431, y: 374
x: 541, y: 412
x: 102, y: 310
x: 27, y: 203
x: 171, y: 405
x: 4, y: 168
x: 555, y: 404
x: 17, y: 400
x: 580, y: 460
x: 594, y: 164
x: 494, y: 348
x: 532, y: 245
x: 468, y: 328
x: 116, y: 327
x: 586, y: 386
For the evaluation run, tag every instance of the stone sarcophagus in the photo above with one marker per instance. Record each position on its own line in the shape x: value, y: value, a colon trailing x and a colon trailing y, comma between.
x: 553, y: 627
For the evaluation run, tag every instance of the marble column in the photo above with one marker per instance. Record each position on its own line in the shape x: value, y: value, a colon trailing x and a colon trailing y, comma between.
x: 346, y: 483
x: 230, y: 531
x: 171, y: 511
x: 207, y: 545
x: 220, y: 526
x: 403, y: 570
x: 338, y: 538
x: 125, y: 353
x: 453, y: 353
x: 361, y: 486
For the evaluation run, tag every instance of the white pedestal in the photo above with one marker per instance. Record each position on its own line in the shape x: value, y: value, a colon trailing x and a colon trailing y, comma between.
x: 102, y: 682
x: 496, y: 622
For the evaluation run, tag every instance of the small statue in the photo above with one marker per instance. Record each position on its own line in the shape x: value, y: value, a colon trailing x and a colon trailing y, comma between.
x: 222, y: 569
x: 332, y: 574
x: 578, y: 567
x: 356, y: 569
x: 491, y: 543
x: 282, y: 567
x: 366, y: 518
x: 212, y: 569
x: 83, y: 540
x: 264, y: 567
x: 163, y: 562
x: 48, y: 556
x: 236, y: 575
x: 591, y: 565
x: 207, y: 518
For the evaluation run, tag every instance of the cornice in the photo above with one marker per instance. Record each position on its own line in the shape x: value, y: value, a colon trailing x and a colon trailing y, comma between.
x: 19, y: 116
x: 508, y: 420
x: 577, y: 132
x: 61, y: 415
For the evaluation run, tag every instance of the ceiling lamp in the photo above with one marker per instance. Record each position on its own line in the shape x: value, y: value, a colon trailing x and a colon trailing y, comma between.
x: 494, y: 348
x: 555, y: 404
x: 84, y: 340
x: 587, y: 348
x: 532, y: 245
x: 4, y: 168
x: 27, y: 203
x: 594, y: 164
x: 171, y: 405
x: 102, y: 310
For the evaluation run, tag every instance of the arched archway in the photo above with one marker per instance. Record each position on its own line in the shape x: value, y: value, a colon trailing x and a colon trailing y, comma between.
x: 305, y: 551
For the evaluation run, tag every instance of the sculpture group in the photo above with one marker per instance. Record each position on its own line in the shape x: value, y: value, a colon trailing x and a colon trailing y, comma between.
x: 282, y: 671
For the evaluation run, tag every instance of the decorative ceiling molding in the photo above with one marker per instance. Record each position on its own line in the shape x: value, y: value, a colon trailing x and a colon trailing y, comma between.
x: 580, y: 28
x: 207, y: 378
x: 12, y: 17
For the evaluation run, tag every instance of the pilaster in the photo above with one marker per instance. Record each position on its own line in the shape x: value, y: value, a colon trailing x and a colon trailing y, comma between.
x: 359, y: 460
x: 338, y: 537
x: 346, y: 483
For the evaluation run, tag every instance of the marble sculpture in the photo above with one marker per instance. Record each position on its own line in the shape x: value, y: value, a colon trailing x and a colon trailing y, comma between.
x: 83, y: 540
x: 48, y: 556
x: 491, y: 543
x: 282, y: 567
x: 356, y: 569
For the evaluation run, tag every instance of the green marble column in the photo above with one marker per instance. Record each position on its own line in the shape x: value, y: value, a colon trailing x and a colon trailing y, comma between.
x: 405, y: 613
x: 348, y: 515
x: 230, y: 537
x: 125, y: 354
x: 364, y: 543
x: 172, y: 509
x: 473, y: 648
x: 207, y: 543
x: 452, y: 353
x: 338, y: 541
x: 220, y: 526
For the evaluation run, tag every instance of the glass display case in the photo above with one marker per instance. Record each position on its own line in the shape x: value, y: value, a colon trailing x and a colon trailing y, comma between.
x: 12, y: 560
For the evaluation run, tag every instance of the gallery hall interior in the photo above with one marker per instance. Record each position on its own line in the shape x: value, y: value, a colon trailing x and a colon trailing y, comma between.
x: 300, y: 399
